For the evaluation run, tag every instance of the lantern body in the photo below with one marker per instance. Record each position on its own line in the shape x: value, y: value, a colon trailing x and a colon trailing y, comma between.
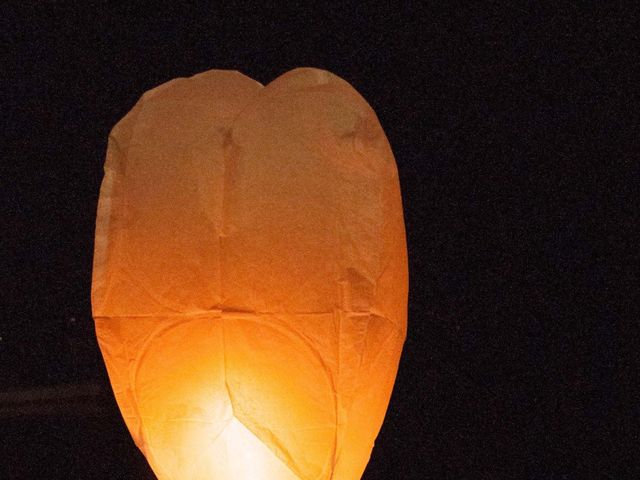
x: 250, y: 277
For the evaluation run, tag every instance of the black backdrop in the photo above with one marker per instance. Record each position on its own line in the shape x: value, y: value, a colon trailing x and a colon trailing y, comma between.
x: 510, y: 127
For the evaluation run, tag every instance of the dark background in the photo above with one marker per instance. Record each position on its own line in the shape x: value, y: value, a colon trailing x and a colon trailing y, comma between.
x: 513, y: 128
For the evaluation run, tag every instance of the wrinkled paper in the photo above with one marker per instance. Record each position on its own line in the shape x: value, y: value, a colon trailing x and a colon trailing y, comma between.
x: 250, y: 276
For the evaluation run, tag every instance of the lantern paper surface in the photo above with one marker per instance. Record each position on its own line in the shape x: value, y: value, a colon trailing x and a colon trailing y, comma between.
x: 250, y: 276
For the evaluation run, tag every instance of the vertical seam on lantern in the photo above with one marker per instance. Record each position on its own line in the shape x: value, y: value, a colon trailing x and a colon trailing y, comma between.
x: 226, y: 145
x: 118, y: 236
x: 336, y: 384
x: 224, y: 356
x: 345, y: 305
x: 108, y: 283
x: 101, y: 245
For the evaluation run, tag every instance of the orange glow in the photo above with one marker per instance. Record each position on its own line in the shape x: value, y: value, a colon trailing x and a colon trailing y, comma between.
x: 250, y: 277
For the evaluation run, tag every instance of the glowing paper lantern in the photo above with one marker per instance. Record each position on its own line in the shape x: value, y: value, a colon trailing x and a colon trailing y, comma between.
x: 250, y: 276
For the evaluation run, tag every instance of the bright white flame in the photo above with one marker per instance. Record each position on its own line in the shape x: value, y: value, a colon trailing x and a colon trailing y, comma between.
x: 239, y: 455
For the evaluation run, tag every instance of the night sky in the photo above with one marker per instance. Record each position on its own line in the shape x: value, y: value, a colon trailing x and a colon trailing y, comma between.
x: 513, y: 129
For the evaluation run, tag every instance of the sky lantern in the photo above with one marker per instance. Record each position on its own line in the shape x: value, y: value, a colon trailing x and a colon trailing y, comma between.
x: 250, y: 276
